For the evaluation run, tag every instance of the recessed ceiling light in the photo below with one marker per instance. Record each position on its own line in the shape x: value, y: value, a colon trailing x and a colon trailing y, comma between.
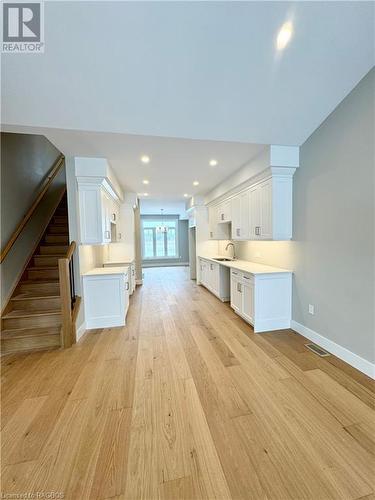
x: 186, y: 195
x: 145, y: 181
x: 145, y: 194
x: 145, y: 159
x: 213, y: 163
x: 195, y: 183
x: 284, y: 36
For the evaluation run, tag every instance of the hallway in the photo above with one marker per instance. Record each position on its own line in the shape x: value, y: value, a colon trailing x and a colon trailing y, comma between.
x: 186, y: 402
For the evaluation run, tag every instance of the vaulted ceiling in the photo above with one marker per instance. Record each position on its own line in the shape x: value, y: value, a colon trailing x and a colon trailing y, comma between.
x: 171, y: 79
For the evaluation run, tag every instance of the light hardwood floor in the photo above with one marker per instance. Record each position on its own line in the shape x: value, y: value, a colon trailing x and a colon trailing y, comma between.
x: 185, y: 402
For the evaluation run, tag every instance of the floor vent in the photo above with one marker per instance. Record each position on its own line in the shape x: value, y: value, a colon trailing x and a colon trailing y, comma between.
x: 318, y: 350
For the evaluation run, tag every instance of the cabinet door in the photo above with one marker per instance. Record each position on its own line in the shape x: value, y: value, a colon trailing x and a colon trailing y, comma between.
x: 90, y: 215
x: 227, y: 209
x: 236, y: 218
x: 265, y: 207
x: 212, y: 222
x: 245, y: 215
x: 106, y: 216
x: 235, y: 292
x: 215, y: 278
x: 220, y: 213
x: 248, y: 301
x: 254, y: 209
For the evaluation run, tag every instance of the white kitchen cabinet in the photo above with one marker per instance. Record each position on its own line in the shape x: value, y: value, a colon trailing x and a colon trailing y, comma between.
x: 236, y: 291
x: 261, y: 211
x: 247, y: 303
x: 105, y: 297
x: 240, y: 216
x: 263, y: 300
x: 215, y: 278
x: 224, y: 212
x: 97, y: 212
x: 99, y: 196
x: 130, y: 266
x: 217, y: 231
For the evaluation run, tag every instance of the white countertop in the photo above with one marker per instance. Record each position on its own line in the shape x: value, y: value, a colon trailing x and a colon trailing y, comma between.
x: 118, y: 262
x: 247, y: 266
x: 97, y: 271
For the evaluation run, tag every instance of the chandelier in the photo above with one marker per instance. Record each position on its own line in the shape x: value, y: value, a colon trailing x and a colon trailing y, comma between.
x: 162, y: 228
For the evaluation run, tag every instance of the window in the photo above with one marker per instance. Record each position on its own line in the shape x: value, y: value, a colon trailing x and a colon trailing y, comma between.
x: 157, y: 244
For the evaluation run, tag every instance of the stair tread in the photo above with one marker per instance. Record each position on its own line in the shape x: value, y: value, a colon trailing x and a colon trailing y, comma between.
x: 37, y: 296
x: 45, y: 281
x: 14, y: 333
x: 42, y: 268
x: 61, y: 255
x: 24, y: 313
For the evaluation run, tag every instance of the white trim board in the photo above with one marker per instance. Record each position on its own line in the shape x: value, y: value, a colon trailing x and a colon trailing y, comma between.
x: 80, y: 331
x: 349, y: 357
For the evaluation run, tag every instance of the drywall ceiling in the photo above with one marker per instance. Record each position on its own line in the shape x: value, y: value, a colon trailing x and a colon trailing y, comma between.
x: 169, y: 207
x: 174, y: 163
x: 203, y: 70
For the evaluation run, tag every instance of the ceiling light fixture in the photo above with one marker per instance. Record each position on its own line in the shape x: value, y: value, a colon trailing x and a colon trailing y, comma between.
x: 145, y: 194
x: 145, y: 181
x: 162, y: 228
x: 213, y: 163
x: 145, y: 159
x: 186, y: 195
x: 284, y: 36
x: 196, y: 183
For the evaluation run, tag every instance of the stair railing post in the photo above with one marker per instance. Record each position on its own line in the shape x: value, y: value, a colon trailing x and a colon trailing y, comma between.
x: 66, y: 308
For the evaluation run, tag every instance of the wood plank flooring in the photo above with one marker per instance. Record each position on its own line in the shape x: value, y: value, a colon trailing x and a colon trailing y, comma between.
x: 186, y: 402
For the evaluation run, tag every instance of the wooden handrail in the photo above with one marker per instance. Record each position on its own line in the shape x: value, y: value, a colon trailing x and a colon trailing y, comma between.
x: 70, y: 252
x: 68, y: 316
x: 52, y: 174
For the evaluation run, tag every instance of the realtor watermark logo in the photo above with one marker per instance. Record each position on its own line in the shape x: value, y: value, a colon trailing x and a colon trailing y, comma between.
x: 23, y: 27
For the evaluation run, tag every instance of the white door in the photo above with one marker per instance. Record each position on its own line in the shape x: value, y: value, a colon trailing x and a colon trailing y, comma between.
x: 265, y: 205
x: 248, y: 301
x: 235, y: 292
x: 255, y: 223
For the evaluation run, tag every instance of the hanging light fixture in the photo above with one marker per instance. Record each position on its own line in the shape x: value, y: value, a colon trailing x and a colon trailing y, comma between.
x: 162, y: 228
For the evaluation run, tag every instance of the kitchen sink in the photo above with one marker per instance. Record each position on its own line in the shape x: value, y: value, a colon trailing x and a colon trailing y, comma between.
x: 223, y: 259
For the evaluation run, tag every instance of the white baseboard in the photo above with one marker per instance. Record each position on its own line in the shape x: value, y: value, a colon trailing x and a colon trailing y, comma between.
x: 80, y: 331
x: 349, y: 357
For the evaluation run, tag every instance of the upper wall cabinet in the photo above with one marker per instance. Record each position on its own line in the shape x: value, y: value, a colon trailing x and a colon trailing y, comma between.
x: 224, y: 212
x: 217, y: 231
x: 261, y: 211
x: 99, y: 203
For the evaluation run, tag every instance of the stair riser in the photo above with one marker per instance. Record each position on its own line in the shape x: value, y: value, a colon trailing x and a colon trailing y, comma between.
x: 53, y: 249
x: 41, y: 274
x: 28, y: 344
x: 32, y: 321
x: 45, y: 304
x: 52, y: 288
x: 60, y: 219
x: 57, y: 238
x: 49, y: 261
x: 58, y: 229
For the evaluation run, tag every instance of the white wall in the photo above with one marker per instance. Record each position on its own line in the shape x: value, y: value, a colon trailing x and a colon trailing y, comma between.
x: 154, y: 206
x: 332, y: 252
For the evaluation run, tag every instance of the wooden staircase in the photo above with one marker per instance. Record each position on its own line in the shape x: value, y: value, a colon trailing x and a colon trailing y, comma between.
x: 32, y: 319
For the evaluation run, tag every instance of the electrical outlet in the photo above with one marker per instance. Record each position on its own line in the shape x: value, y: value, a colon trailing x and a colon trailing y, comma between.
x: 311, y: 309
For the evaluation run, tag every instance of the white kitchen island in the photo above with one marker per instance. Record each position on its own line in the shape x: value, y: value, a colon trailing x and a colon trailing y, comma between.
x: 260, y: 294
x: 106, y: 296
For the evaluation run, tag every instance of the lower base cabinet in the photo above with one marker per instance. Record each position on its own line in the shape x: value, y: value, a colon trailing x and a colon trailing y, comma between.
x: 106, y: 299
x: 263, y: 300
x: 215, y: 278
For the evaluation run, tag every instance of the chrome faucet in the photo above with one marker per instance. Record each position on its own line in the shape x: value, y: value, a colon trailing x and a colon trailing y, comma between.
x: 234, y: 250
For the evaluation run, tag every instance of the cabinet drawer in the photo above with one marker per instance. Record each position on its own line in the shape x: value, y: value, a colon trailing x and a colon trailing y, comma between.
x: 247, y: 277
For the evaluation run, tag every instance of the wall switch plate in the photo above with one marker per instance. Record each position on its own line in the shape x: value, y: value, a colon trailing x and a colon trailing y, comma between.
x: 311, y: 309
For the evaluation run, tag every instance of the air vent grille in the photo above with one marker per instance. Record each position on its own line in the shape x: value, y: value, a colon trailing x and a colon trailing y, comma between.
x: 317, y: 350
